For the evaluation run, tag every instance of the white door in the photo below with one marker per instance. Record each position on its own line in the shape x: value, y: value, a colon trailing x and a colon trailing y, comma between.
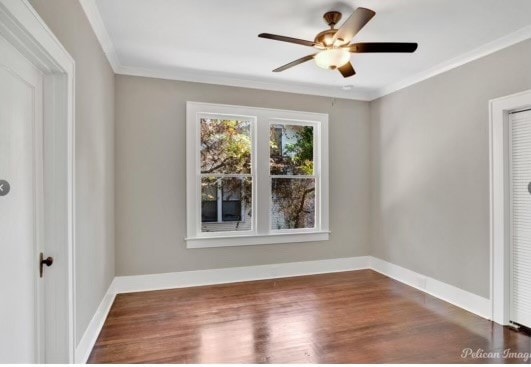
x: 520, y: 304
x: 21, y: 162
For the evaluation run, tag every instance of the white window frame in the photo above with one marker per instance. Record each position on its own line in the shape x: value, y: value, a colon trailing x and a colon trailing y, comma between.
x: 261, y: 120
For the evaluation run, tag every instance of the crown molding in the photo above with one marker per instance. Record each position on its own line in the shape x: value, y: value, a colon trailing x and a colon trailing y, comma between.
x: 181, y: 74
x: 237, y: 81
x: 477, y: 53
x: 94, y: 17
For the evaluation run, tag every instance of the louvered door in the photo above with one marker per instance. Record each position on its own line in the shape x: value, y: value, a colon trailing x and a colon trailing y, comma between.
x: 520, y: 174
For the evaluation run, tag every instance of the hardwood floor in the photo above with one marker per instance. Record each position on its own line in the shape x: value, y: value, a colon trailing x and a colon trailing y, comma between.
x: 352, y: 317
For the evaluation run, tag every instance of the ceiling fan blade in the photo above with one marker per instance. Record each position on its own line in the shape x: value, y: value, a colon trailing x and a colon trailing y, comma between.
x: 347, y: 70
x: 287, y: 39
x: 383, y: 47
x: 353, y: 25
x: 294, y: 63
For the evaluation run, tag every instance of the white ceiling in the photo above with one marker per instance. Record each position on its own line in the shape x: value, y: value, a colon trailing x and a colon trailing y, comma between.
x: 216, y: 40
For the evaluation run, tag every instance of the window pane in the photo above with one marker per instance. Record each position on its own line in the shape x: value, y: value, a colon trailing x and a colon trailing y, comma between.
x: 293, y: 203
x: 232, y: 203
x: 226, y: 204
x: 209, y: 211
x: 291, y: 150
x: 232, y: 211
x: 225, y: 146
x: 209, y: 199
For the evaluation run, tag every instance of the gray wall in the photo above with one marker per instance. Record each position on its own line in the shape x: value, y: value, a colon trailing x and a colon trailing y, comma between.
x: 94, y: 154
x: 430, y: 169
x: 151, y: 177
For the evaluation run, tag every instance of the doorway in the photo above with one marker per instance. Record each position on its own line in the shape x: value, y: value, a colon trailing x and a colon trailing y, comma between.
x: 520, y: 217
x: 510, y: 203
x: 36, y: 190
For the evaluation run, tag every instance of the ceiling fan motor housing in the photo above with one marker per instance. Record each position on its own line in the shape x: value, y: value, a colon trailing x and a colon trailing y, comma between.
x: 332, y: 18
x: 326, y: 38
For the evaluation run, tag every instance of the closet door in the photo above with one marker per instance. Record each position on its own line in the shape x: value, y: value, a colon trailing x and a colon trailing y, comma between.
x: 520, y: 136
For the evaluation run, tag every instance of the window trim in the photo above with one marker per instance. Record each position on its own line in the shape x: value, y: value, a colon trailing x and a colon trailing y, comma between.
x: 261, y: 120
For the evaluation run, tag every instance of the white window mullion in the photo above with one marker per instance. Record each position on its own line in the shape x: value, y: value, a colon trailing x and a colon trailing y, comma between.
x: 263, y: 183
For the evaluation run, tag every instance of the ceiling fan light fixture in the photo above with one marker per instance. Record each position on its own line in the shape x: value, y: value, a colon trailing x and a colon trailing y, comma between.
x: 334, y: 46
x: 332, y: 58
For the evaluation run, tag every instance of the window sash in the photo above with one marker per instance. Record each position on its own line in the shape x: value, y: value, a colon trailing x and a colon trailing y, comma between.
x: 317, y: 216
x: 316, y: 176
x: 252, y: 128
x: 315, y: 142
x: 200, y: 175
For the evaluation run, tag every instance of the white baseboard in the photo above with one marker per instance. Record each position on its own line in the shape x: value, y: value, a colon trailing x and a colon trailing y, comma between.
x: 94, y: 327
x: 469, y: 301
x: 139, y: 283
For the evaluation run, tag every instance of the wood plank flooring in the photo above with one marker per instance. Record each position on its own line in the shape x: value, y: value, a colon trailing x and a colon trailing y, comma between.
x: 352, y: 317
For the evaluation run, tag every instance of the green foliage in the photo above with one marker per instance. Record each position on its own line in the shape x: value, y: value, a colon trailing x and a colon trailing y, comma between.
x: 294, y: 158
x: 225, y: 147
x: 303, y: 150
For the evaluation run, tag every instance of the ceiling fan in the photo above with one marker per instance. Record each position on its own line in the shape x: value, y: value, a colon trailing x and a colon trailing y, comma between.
x: 334, y: 44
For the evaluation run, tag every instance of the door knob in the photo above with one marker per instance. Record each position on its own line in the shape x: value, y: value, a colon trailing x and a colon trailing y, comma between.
x: 48, y: 262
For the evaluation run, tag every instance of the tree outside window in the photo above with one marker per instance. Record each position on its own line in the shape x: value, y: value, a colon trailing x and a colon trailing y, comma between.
x: 292, y: 176
x: 226, y: 183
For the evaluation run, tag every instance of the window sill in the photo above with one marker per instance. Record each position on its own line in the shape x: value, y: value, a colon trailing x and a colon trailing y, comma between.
x: 252, y: 240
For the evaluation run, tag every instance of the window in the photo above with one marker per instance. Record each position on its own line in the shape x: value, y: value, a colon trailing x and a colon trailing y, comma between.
x: 255, y: 176
x: 226, y: 173
x: 292, y: 176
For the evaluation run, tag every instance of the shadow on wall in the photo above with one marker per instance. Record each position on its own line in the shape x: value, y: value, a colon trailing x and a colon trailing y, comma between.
x: 425, y: 192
